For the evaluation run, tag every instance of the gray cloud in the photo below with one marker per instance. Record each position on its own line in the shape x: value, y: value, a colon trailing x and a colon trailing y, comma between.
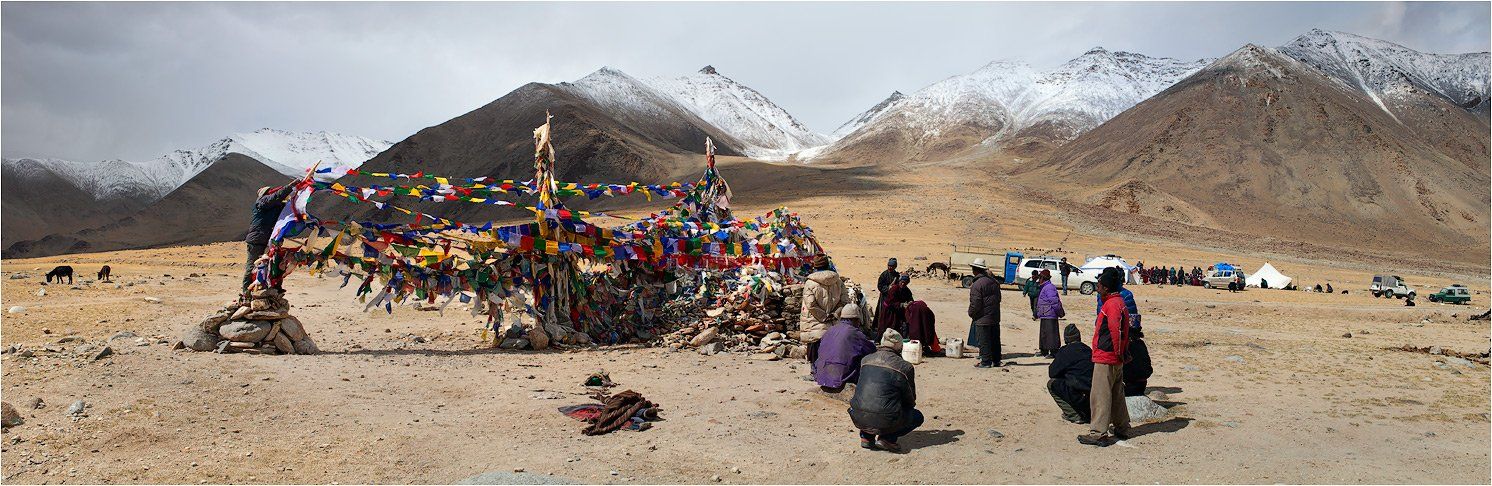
x: 132, y: 80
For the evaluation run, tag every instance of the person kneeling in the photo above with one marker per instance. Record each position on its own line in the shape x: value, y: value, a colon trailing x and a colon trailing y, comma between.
x: 1071, y: 374
x: 883, y: 407
x: 841, y: 350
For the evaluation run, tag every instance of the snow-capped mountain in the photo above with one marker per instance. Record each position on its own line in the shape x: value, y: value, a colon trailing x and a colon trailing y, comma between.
x: 1388, y: 72
x: 1005, y: 100
x: 868, y: 115
x: 289, y: 153
x: 768, y: 131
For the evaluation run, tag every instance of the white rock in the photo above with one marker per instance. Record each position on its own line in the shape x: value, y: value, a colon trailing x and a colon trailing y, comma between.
x: 16, y: 309
x: 1143, y: 409
x: 153, y: 300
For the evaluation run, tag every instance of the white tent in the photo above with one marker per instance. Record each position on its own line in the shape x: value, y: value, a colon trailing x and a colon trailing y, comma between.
x: 1097, y: 264
x: 1267, y: 273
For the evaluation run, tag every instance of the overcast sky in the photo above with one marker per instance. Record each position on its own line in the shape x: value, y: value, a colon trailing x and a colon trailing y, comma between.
x: 135, y: 80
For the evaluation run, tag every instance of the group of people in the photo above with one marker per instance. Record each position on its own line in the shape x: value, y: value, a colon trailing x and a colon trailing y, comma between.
x: 883, y: 407
x: 1169, y: 276
x: 896, y: 309
x: 1088, y: 381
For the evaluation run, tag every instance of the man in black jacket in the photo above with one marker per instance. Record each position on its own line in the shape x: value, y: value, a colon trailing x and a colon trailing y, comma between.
x: 1071, y: 376
x: 266, y: 212
x: 884, y: 405
x: 1137, y: 370
x: 1066, y: 269
x: 984, y: 309
x: 888, y: 276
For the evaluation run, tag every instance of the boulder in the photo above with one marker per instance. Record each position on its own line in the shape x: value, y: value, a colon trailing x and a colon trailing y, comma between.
x: 77, y: 407
x: 16, y: 309
x: 9, y: 417
x: 1143, y: 409
x: 305, y: 346
x: 103, y: 353
x: 245, y: 331
x: 265, y: 294
x: 292, y: 328
x: 704, y: 337
x: 798, y: 352
x: 267, y: 315
x: 123, y: 335
x: 538, y: 338
x: 198, y: 340
x: 709, y: 349
x: 36, y: 403
x: 283, y: 343
x: 514, y: 343
x: 239, y: 313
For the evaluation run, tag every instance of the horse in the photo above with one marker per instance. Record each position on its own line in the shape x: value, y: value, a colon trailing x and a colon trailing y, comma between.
x: 59, y: 272
x: 103, y: 274
x: 937, y: 267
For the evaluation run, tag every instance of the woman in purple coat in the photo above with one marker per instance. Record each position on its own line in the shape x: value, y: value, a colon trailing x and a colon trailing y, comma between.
x: 1048, y: 310
x: 840, y: 351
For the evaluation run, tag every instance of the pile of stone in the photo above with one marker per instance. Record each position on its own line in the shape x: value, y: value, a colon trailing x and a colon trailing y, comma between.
x: 263, y: 325
x: 752, y: 318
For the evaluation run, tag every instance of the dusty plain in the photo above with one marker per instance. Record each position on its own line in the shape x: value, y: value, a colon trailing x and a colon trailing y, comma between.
x: 1263, y: 386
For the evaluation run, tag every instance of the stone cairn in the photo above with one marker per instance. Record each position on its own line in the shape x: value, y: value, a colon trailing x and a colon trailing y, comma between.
x: 263, y: 325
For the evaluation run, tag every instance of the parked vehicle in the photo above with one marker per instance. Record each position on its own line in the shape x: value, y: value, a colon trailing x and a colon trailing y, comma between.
x: 1390, y: 286
x: 1086, y: 282
x: 1455, y: 294
x: 1221, y: 276
x: 962, y: 255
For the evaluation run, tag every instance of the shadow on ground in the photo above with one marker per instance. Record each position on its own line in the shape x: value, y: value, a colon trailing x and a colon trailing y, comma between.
x: 928, y: 438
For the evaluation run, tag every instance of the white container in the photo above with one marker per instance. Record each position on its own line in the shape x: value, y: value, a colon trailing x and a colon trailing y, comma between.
x: 953, y: 348
x: 911, y: 351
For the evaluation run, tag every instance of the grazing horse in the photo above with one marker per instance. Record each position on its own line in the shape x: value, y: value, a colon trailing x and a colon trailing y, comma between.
x: 59, y: 272
x: 934, y: 267
x: 103, y: 274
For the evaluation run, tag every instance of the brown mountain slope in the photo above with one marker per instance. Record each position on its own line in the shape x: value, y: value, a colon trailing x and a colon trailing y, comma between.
x: 47, y: 204
x: 1262, y: 144
x: 596, y: 137
x: 211, y: 207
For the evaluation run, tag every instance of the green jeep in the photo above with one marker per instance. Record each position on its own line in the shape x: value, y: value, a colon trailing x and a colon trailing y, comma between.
x: 1455, y: 294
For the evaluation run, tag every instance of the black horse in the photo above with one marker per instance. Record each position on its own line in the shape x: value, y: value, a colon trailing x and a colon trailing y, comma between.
x: 59, y: 272
x: 103, y: 273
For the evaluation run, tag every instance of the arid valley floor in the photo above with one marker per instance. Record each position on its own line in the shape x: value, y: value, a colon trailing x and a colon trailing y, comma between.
x: 1264, y: 386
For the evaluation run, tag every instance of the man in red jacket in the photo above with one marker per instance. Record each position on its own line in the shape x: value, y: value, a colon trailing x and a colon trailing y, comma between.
x: 1110, y: 342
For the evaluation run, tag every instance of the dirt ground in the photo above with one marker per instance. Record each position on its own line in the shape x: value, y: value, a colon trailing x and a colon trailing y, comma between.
x: 1263, y: 385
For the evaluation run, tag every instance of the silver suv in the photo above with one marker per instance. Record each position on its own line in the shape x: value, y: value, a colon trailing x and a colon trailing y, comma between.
x: 1390, y: 286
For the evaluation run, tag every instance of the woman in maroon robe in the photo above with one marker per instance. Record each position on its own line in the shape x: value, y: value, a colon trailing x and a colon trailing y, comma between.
x: 891, y: 313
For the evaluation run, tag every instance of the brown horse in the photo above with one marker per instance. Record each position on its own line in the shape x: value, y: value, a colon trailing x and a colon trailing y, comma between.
x: 934, y: 267
x: 103, y: 274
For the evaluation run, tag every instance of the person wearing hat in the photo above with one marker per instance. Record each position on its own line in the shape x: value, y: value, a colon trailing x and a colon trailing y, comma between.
x: 1066, y: 268
x: 1110, y: 419
x: 891, y: 311
x: 840, y: 351
x: 984, y: 309
x: 267, y: 207
x: 1137, y: 369
x: 1129, y: 304
x: 885, y: 401
x: 888, y: 276
x: 1048, y: 309
x: 1070, y: 376
x: 824, y: 293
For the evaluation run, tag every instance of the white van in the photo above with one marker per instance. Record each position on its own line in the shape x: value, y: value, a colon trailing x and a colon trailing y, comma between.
x: 1086, y: 282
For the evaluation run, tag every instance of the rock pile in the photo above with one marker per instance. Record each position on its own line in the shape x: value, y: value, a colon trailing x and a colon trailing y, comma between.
x: 263, y: 325
x: 760, y: 315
